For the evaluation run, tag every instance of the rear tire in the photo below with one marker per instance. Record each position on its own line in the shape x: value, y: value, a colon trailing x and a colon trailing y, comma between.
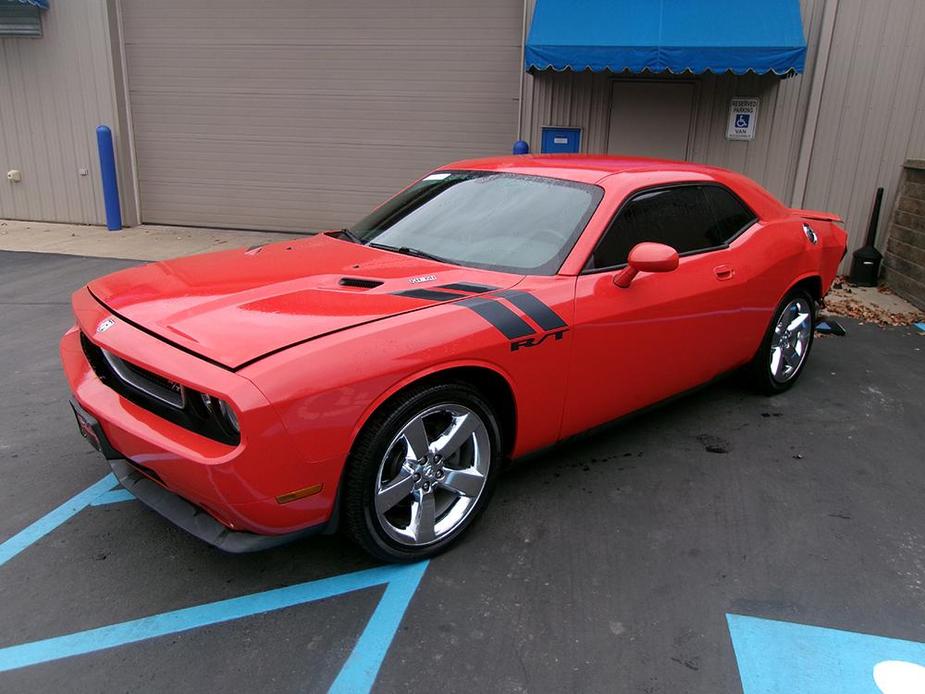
x: 786, y: 345
x: 421, y: 471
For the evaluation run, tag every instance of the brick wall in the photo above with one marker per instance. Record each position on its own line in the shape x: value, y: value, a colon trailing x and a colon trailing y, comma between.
x: 904, y: 259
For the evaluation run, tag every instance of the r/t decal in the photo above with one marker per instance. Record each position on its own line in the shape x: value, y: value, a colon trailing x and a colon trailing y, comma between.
x: 537, y: 340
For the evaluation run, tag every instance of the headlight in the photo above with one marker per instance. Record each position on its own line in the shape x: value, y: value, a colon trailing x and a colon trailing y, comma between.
x: 222, y: 411
x: 228, y: 414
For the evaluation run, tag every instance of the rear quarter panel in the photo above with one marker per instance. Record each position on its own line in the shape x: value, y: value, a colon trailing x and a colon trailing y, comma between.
x: 833, y: 244
x: 776, y: 255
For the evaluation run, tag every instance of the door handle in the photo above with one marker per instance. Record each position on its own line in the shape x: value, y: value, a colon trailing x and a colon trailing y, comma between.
x: 724, y: 272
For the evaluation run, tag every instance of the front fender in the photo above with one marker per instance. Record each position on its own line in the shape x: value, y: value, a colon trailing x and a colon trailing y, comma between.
x: 326, y: 389
x: 432, y: 370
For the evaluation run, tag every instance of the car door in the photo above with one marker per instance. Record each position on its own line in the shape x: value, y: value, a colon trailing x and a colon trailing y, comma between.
x: 666, y: 332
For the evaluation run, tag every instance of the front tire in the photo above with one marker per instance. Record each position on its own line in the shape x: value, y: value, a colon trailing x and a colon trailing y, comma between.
x: 785, y: 349
x: 421, y: 471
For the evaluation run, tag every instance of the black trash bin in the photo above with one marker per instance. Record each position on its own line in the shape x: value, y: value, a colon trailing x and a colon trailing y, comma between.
x: 865, y: 267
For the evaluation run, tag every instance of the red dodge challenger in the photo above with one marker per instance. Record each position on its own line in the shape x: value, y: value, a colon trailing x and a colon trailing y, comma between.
x: 375, y: 378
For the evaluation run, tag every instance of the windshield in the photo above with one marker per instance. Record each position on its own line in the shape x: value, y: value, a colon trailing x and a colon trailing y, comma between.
x: 496, y: 221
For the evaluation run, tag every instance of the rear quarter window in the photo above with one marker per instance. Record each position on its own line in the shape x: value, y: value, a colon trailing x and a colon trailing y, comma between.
x: 730, y: 215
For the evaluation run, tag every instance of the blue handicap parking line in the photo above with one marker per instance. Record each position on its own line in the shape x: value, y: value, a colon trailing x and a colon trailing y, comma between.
x: 358, y: 672
x: 113, y: 496
x: 784, y: 657
x: 44, y: 525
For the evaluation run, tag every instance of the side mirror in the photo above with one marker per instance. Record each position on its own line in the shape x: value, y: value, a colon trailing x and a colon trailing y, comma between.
x: 647, y: 257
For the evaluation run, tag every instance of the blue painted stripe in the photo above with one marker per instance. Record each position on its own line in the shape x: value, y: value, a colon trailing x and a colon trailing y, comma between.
x: 363, y: 663
x: 777, y: 657
x: 114, y: 496
x: 44, y: 525
x: 359, y: 671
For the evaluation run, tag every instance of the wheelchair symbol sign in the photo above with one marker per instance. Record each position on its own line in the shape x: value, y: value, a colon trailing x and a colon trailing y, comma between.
x: 743, y: 114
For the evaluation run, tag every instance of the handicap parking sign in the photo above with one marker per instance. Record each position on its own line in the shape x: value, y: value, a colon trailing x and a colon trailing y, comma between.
x: 785, y: 657
x: 743, y: 114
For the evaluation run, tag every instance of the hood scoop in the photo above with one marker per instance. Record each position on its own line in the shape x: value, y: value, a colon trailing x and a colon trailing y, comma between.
x: 358, y: 283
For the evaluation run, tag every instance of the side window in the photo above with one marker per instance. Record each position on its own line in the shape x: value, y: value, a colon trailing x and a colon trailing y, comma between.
x: 730, y: 215
x: 687, y: 218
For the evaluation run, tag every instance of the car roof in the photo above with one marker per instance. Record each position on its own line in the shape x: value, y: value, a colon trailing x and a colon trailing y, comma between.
x: 592, y: 168
x: 585, y: 168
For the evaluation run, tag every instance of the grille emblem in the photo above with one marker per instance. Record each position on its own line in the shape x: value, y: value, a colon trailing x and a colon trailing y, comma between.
x: 105, y: 325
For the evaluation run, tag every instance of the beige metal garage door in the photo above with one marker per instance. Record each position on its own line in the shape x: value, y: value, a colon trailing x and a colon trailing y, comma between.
x: 305, y: 114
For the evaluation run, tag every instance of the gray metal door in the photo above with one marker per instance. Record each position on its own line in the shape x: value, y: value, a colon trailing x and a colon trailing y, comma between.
x: 287, y: 114
x: 651, y: 118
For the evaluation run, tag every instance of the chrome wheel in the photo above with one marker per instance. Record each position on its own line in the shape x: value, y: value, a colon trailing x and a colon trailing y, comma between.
x: 432, y: 474
x: 790, y: 341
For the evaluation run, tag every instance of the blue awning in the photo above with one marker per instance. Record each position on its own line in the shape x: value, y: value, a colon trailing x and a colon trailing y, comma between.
x: 41, y: 4
x: 693, y: 36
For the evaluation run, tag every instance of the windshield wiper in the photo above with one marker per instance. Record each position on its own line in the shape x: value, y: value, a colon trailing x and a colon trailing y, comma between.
x: 351, y: 236
x: 407, y: 250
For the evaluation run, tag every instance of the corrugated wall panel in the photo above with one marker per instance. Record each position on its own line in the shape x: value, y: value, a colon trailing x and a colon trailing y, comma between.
x: 872, y: 112
x: 584, y: 100
x: 916, y: 143
x: 54, y: 91
x: 295, y: 115
x: 788, y: 117
x: 867, y: 123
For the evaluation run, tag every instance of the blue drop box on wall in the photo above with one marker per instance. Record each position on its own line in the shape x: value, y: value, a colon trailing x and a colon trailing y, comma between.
x: 561, y: 141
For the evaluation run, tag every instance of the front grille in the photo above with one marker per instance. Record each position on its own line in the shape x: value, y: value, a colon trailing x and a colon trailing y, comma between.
x: 142, y: 380
x: 165, y: 398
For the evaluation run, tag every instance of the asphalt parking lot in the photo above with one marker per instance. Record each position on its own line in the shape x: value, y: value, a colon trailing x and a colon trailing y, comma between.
x: 628, y: 561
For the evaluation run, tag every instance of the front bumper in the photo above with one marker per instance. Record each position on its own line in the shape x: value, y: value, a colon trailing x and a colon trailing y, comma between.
x: 175, y: 508
x: 193, y: 519
x: 237, y: 485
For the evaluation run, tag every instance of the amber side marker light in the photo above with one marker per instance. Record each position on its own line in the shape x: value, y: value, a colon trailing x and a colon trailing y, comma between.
x: 299, y: 494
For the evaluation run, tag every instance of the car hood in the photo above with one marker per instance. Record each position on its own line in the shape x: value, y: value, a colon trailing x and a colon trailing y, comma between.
x: 236, y: 306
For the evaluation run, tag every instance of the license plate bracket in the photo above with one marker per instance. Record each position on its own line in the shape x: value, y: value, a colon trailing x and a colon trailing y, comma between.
x: 91, y: 430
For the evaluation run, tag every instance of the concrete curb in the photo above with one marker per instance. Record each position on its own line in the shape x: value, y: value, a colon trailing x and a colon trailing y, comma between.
x: 146, y: 242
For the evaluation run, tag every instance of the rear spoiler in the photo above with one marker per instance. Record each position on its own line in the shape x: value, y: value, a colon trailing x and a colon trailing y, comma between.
x: 817, y: 215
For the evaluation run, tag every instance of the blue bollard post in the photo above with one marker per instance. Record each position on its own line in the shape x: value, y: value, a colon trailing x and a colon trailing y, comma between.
x: 520, y: 147
x: 108, y: 174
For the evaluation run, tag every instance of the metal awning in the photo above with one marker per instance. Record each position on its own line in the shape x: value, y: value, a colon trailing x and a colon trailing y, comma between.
x: 678, y: 36
x: 21, y: 18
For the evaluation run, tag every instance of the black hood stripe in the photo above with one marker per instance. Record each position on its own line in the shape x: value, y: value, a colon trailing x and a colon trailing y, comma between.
x: 496, y: 312
x: 535, y: 309
x: 429, y: 294
x: 504, y: 319
x: 466, y: 287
